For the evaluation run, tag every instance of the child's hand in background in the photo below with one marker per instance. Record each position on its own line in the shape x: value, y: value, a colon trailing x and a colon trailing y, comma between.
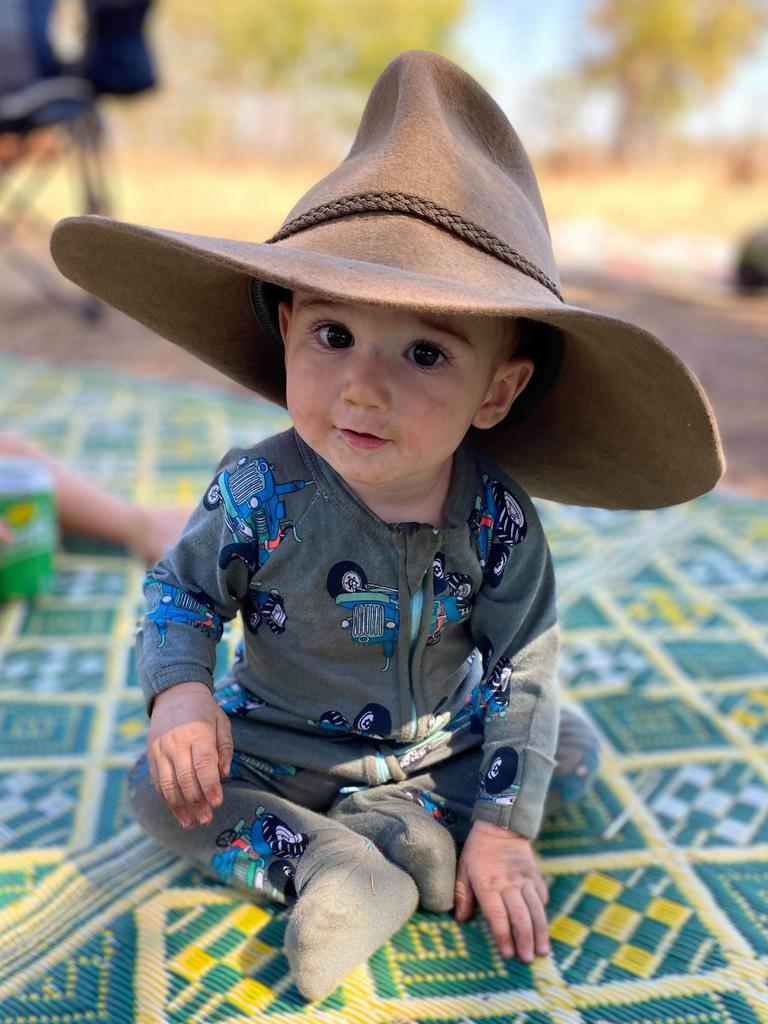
x: 498, y: 868
x: 189, y: 750
x: 6, y: 533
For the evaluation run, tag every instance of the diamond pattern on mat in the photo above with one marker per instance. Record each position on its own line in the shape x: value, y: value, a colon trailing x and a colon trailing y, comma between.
x: 89, y: 581
x: 129, y: 727
x: 748, y: 709
x: 434, y: 956
x: 19, y: 880
x: 666, y: 607
x: 741, y: 893
x: 701, y: 805
x: 37, y: 808
x: 54, y: 669
x: 35, y: 729
x: 710, y: 565
x: 231, y: 953
x: 626, y: 924
x: 577, y: 828
x: 727, y: 1007
x: 45, y: 621
x: 92, y: 985
x: 635, y: 723
x: 706, y: 659
x: 608, y: 663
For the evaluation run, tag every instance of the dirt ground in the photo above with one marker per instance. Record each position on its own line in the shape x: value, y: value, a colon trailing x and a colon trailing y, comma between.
x: 720, y: 335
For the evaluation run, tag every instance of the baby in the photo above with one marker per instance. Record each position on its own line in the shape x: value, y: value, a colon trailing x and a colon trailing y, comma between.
x: 395, y: 696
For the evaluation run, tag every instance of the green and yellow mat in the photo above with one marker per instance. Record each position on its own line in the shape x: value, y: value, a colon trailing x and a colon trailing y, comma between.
x: 661, y: 917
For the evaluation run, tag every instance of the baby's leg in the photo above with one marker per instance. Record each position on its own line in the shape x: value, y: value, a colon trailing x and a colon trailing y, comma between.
x: 348, y: 898
x: 403, y: 826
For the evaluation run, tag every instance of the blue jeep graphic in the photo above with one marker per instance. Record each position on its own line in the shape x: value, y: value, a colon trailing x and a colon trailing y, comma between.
x: 167, y: 603
x: 375, y: 611
x: 254, y: 510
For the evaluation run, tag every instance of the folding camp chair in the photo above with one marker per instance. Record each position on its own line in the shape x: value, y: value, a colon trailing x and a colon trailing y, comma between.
x: 49, y: 113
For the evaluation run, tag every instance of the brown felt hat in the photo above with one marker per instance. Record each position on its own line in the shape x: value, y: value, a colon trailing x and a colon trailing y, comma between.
x: 435, y: 208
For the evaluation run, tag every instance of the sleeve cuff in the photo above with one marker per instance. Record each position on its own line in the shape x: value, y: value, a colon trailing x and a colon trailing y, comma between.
x: 521, y: 811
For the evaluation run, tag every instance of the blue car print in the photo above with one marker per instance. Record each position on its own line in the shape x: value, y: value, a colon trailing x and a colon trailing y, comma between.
x: 375, y: 612
x: 254, y: 510
x: 167, y: 603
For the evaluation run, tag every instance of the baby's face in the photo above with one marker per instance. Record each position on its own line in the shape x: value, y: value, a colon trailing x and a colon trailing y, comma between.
x: 386, y: 396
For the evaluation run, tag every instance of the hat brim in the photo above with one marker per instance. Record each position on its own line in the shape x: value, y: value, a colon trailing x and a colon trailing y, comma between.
x: 625, y: 424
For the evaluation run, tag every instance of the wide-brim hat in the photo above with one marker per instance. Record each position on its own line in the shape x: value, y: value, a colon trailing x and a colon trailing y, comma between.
x: 436, y: 209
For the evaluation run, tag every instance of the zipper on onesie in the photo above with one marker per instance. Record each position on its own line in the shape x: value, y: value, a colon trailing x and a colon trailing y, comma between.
x: 417, y: 609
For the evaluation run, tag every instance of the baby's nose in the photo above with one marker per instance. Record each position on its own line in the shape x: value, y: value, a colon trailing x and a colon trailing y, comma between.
x: 367, y: 383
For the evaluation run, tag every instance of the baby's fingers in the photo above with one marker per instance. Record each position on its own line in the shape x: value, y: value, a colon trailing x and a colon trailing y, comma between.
x: 496, y: 914
x: 205, y: 763
x: 463, y: 898
x: 539, y: 919
x: 168, y: 787
x: 520, y: 917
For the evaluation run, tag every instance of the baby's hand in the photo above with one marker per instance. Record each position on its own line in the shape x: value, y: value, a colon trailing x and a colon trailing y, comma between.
x: 498, y: 868
x: 189, y: 748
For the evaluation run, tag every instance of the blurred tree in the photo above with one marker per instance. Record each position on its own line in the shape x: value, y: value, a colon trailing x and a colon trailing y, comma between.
x: 660, y: 55
x: 329, y: 43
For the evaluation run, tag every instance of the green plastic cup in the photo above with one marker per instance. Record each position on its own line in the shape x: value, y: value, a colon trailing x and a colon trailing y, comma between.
x: 27, y: 507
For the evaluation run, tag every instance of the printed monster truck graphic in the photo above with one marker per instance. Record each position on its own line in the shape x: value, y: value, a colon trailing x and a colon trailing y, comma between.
x: 375, y: 608
x: 253, y: 509
x: 261, y: 856
x: 498, y: 523
x: 168, y: 603
x: 266, y: 607
x: 497, y: 782
x: 374, y: 721
x: 452, y: 591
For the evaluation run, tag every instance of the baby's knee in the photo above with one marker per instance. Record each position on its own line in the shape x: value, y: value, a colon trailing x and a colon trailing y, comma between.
x: 144, y: 801
x: 577, y: 758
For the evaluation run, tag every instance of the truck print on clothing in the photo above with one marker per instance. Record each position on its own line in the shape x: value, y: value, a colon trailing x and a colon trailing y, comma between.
x: 261, y: 856
x: 498, y: 523
x: 259, y: 607
x: 452, y: 592
x: 374, y: 721
x: 167, y: 603
x: 234, y: 699
x: 375, y: 608
x: 497, y: 782
x: 253, y: 509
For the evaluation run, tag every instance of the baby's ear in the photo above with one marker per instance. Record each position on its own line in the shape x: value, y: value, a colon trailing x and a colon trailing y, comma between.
x: 284, y: 313
x: 508, y: 381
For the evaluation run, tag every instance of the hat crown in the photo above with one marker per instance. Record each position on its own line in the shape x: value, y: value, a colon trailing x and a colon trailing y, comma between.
x: 430, y: 130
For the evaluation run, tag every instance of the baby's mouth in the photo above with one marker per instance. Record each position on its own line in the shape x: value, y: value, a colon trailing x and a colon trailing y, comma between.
x: 362, y: 441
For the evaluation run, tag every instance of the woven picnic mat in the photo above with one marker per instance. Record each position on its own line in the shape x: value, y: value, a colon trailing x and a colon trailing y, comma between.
x: 665, y: 619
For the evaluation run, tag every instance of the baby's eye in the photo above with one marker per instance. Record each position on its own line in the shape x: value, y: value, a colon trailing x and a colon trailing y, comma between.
x: 424, y: 353
x: 334, y: 335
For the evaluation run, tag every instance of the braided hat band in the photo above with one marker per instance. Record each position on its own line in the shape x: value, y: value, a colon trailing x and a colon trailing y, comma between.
x: 424, y: 209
